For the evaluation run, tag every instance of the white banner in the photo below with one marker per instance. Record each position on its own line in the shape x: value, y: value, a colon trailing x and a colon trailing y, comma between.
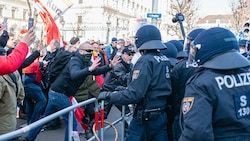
x: 57, y: 7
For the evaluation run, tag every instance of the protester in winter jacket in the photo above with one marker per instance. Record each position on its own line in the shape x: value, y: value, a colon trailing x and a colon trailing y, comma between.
x: 13, y: 61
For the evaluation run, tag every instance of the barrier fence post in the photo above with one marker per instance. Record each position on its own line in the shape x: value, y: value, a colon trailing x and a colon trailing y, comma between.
x: 123, y: 122
x: 96, y: 117
x: 70, y: 125
x: 46, y: 119
x: 102, y: 120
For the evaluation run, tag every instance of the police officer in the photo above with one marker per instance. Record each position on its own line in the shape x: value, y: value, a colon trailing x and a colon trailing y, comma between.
x: 217, y: 101
x: 181, y: 54
x: 179, y: 76
x: 171, y: 52
x: 148, y: 89
x: 243, y: 47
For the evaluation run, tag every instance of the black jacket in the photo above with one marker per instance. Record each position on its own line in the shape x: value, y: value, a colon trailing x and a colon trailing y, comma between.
x: 179, y: 76
x: 74, y: 74
x: 150, y: 83
x: 50, y: 58
x: 118, y: 76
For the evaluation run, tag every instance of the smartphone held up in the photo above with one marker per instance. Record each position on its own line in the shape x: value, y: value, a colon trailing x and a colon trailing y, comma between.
x: 30, y: 23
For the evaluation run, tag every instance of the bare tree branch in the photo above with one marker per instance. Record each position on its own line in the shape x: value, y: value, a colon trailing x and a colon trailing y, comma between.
x: 189, y: 9
x: 239, y: 9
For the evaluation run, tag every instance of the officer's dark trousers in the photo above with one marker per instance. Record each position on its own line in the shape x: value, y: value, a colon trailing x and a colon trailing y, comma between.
x: 157, y: 129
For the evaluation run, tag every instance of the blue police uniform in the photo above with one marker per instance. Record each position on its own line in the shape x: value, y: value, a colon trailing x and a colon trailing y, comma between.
x: 216, y: 105
x: 218, y: 108
x: 148, y: 89
x: 179, y: 76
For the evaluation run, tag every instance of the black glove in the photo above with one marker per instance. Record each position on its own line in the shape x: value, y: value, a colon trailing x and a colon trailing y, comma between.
x: 104, y: 96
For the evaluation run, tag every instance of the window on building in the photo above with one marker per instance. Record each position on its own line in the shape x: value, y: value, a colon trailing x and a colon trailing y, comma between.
x: 79, y: 19
x: 24, y: 14
x: 13, y: 12
x: 80, y: 1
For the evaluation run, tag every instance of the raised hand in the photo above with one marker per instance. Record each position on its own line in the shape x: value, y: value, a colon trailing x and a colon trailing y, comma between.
x: 115, y: 61
x: 29, y: 37
x: 95, y: 64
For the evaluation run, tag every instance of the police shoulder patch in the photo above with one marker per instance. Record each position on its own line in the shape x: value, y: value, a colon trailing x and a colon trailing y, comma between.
x: 135, y: 74
x: 187, y: 104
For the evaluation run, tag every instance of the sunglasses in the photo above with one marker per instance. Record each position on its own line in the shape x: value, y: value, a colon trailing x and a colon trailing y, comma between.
x: 130, y: 54
x: 88, y: 50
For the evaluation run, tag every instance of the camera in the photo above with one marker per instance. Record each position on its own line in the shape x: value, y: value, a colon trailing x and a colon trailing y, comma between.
x: 179, y: 17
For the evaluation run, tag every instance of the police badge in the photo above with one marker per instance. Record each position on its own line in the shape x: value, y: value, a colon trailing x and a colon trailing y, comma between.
x: 135, y: 74
x: 187, y: 104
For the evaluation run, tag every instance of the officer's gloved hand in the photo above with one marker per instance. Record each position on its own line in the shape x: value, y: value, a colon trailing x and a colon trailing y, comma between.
x: 104, y: 96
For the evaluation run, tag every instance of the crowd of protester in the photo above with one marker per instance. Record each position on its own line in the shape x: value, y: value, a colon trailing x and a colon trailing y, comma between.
x: 124, y: 73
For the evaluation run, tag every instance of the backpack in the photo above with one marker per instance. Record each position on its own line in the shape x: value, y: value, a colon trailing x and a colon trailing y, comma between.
x: 58, y: 64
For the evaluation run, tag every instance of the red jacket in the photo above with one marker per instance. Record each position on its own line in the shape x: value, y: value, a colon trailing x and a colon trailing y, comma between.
x: 12, y: 62
x: 34, y: 68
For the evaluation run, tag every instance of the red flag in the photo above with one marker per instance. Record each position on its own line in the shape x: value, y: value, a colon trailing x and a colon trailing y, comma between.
x: 79, y: 114
x: 52, y: 30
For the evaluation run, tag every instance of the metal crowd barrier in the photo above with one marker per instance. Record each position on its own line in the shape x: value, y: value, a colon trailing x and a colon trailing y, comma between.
x: 70, y: 111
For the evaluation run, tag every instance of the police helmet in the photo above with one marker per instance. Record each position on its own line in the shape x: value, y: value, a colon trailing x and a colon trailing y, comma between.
x: 148, y: 37
x: 179, y: 46
x: 190, y: 37
x: 217, y: 48
x: 243, y: 42
x: 170, y: 52
x: 181, y: 41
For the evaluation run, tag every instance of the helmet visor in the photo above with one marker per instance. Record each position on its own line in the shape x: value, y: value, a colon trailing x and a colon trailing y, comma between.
x: 186, y: 45
x: 191, y: 56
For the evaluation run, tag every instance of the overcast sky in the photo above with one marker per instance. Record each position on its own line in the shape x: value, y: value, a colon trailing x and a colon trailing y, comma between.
x: 214, y: 7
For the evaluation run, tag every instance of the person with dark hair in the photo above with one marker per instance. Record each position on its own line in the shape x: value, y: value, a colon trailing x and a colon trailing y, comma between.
x: 11, y: 42
x: 4, y: 36
x: 148, y: 90
x: 29, y: 60
x: 18, y: 55
x: 244, y: 34
x: 103, y: 55
x: 111, y: 49
x: 74, y: 41
x: 216, y: 101
x: 34, y: 97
